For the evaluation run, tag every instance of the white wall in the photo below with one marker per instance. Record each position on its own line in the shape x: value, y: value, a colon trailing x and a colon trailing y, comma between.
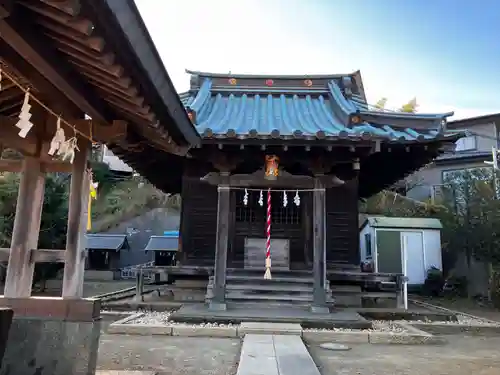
x: 432, y: 249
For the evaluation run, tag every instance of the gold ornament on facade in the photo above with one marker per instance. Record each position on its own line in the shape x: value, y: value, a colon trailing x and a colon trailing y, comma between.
x: 232, y: 81
x: 272, y: 165
x: 308, y: 82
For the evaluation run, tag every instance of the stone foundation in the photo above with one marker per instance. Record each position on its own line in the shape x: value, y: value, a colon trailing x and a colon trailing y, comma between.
x: 63, y: 341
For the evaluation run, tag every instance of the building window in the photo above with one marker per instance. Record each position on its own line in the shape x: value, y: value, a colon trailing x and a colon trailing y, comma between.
x: 466, y: 144
x: 368, y: 245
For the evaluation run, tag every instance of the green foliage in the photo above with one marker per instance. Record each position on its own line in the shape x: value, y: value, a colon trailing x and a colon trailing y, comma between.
x: 434, y: 282
x: 127, y: 200
x: 410, y: 107
x: 380, y: 105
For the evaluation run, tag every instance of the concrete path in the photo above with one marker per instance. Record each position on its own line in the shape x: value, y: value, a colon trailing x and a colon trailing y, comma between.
x: 275, y: 355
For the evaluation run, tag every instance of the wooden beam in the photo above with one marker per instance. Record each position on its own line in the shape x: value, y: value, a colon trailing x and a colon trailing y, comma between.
x: 285, y: 180
x: 48, y: 166
x: 71, y: 7
x: 98, y: 131
x: 5, y: 8
x: 20, y: 35
x: 37, y: 255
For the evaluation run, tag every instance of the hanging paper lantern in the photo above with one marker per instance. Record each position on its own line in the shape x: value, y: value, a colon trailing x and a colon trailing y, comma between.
x: 272, y: 163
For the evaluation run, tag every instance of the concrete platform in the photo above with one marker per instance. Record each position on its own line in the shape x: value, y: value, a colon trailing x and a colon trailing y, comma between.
x: 200, y: 313
x: 275, y: 355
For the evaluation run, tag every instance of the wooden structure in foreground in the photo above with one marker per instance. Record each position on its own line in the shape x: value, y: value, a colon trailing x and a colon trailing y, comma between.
x: 93, y: 65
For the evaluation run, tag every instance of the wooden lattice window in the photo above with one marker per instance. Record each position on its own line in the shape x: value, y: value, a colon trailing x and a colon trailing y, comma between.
x: 254, y: 213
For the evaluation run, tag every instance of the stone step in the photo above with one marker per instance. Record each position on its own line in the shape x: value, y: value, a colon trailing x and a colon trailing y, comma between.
x: 263, y: 304
x: 276, y: 288
x: 259, y: 297
x: 345, y: 289
x: 239, y: 296
x: 259, y: 279
x: 259, y: 271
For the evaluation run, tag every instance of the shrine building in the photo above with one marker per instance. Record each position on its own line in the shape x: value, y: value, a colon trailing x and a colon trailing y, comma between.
x: 326, y: 148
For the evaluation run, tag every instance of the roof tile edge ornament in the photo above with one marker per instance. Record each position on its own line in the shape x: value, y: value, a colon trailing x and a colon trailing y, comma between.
x: 253, y: 133
x: 343, y: 108
x: 208, y: 133
x: 191, y: 115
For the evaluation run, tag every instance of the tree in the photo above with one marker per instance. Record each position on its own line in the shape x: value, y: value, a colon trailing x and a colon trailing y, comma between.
x: 410, y: 107
x: 380, y: 105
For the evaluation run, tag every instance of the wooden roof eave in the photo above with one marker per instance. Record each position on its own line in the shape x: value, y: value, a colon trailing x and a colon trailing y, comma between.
x: 141, y: 59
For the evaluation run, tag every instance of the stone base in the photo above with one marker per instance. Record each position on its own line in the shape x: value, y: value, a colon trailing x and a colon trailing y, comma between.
x: 319, y: 309
x: 66, y: 343
x: 217, y: 306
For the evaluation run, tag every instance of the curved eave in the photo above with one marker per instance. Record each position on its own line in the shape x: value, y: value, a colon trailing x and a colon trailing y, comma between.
x: 146, y: 63
x: 406, y: 120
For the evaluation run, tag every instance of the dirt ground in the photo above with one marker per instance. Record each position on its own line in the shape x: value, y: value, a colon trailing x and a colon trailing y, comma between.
x: 169, y: 355
x: 461, y: 356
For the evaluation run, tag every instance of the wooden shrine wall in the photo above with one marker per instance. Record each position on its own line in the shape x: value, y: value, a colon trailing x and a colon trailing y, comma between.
x: 198, y: 222
x: 199, y: 226
x: 342, y: 233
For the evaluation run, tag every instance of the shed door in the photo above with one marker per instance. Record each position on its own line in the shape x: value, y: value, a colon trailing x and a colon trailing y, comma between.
x: 389, y: 251
x: 415, y: 265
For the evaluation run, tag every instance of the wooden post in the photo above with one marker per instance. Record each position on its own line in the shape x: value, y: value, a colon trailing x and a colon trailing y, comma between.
x: 20, y: 269
x: 139, y: 285
x: 319, y: 257
x: 74, y: 266
x: 221, y: 243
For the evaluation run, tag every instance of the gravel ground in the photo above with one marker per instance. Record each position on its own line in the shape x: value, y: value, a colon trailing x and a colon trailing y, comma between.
x: 462, y: 319
x: 159, y: 318
x: 169, y: 355
x: 378, y: 326
x: 462, y: 356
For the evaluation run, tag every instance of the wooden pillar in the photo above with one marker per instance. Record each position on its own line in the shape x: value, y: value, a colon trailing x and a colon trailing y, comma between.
x: 307, y: 227
x: 319, y: 248
x: 74, y: 266
x: 139, y: 285
x: 221, y: 244
x: 20, y: 269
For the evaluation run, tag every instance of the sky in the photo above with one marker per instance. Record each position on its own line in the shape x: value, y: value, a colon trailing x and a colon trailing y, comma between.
x: 446, y: 53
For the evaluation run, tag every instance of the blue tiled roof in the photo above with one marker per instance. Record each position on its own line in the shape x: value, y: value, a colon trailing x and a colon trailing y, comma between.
x: 324, y: 113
